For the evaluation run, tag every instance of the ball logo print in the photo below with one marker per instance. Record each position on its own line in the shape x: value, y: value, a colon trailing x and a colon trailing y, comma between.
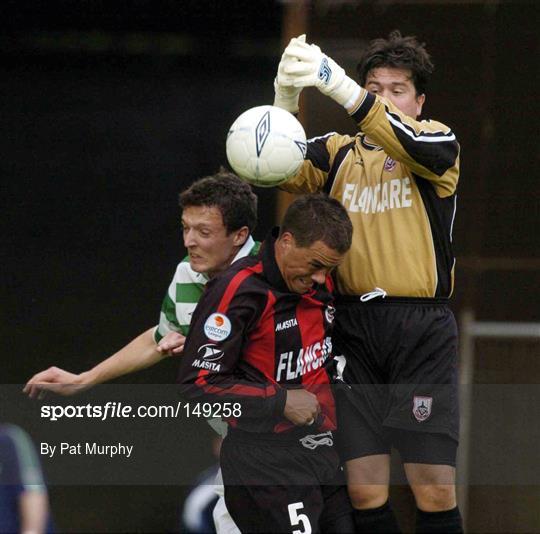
x: 262, y: 131
x: 217, y: 327
x: 302, y: 146
x: 266, y: 146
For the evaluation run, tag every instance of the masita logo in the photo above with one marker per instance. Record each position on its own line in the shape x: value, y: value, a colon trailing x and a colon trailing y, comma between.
x: 217, y: 327
x: 208, y: 354
x: 289, y: 323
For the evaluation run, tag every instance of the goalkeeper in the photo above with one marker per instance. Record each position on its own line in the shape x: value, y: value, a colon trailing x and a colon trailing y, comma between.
x: 397, y: 178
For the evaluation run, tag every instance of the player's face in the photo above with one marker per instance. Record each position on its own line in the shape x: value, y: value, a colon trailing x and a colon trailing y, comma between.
x: 397, y: 86
x: 302, y: 267
x: 210, y: 248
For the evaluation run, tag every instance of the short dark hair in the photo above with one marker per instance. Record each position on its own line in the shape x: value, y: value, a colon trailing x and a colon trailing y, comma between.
x: 317, y: 217
x: 398, y: 52
x: 231, y: 195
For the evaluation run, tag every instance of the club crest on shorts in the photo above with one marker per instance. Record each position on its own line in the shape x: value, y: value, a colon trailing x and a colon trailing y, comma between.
x: 422, y: 408
x: 217, y: 327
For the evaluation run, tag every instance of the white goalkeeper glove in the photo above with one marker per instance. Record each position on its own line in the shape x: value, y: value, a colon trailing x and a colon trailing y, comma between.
x: 286, y: 96
x: 306, y: 66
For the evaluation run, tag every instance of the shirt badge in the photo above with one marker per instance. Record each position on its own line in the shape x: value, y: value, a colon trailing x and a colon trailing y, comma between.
x: 217, y: 327
x: 389, y: 164
x: 329, y: 313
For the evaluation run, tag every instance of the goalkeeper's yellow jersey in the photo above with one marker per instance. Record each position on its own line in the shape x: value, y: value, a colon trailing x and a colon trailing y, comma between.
x: 397, y: 179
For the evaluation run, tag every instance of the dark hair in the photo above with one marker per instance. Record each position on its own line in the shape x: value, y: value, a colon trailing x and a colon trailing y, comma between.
x: 318, y: 217
x: 397, y: 52
x: 231, y: 195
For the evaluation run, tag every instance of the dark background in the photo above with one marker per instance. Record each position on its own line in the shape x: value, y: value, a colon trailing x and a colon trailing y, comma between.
x: 110, y: 108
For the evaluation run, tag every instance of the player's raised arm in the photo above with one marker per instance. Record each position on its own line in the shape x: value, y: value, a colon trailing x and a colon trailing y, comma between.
x: 389, y: 120
x: 287, y: 96
x: 140, y: 353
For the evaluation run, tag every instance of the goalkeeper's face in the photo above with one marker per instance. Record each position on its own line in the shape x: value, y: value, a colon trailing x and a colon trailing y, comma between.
x: 397, y: 86
x: 211, y: 249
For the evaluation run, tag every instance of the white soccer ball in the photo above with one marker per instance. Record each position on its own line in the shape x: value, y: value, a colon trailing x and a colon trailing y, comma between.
x: 266, y: 145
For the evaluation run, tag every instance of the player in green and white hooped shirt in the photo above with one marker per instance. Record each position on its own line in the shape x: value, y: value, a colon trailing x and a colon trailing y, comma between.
x: 219, y: 212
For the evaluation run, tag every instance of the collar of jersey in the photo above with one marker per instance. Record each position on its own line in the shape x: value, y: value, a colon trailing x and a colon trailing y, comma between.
x: 245, y: 250
x: 242, y: 253
x: 270, y: 266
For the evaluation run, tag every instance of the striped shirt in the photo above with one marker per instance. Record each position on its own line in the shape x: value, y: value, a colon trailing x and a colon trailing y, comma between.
x: 184, y: 293
x: 251, y: 339
x: 397, y: 178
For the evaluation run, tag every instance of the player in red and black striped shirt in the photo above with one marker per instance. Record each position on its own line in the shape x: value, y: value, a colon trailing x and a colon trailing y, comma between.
x: 260, y: 337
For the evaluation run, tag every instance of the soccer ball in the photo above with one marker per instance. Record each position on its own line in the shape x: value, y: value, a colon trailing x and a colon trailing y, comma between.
x: 266, y: 145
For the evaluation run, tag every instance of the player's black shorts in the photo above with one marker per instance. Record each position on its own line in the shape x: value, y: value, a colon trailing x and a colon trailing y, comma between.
x: 401, y: 371
x: 278, y: 484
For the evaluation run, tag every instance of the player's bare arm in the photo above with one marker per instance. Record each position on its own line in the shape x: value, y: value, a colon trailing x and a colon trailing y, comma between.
x: 140, y: 353
x: 171, y: 344
x: 34, y: 509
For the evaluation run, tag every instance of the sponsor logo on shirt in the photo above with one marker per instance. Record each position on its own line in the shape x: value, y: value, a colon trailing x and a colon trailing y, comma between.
x: 308, y: 359
x: 289, y: 323
x: 217, y: 327
x: 209, y: 354
x: 388, y: 195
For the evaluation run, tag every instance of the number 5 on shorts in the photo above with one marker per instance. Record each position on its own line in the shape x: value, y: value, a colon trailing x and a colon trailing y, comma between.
x: 297, y: 519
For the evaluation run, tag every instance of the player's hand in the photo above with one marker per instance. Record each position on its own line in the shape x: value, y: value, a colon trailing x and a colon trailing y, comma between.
x: 286, y: 96
x: 172, y: 344
x: 56, y: 380
x: 301, y: 407
x: 307, y: 66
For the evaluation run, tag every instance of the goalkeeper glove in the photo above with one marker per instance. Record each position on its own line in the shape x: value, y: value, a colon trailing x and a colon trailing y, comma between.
x: 286, y: 96
x: 312, y: 68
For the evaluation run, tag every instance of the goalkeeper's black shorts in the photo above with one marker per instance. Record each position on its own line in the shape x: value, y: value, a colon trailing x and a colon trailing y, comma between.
x: 278, y: 484
x: 400, y: 371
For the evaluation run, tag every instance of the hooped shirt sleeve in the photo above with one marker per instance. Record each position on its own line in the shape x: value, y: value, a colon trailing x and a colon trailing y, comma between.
x: 180, y: 301
x: 212, y: 368
x: 428, y: 148
x: 184, y: 292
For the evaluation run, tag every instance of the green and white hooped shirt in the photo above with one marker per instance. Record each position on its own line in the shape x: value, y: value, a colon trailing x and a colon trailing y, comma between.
x: 184, y: 293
